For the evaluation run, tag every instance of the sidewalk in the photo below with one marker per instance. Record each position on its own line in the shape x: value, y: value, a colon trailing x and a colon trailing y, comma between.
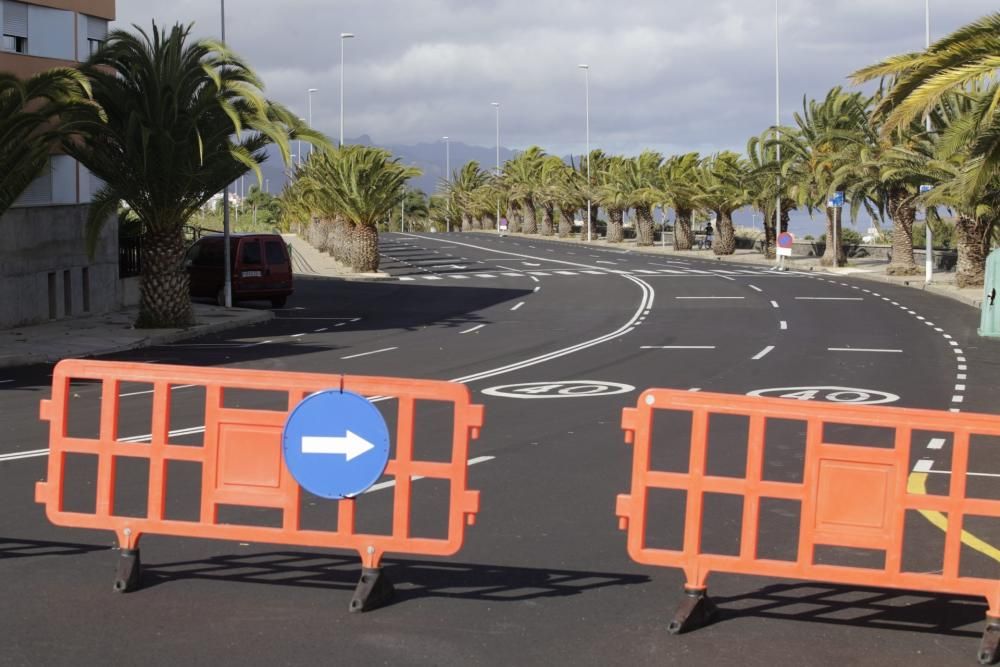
x: 868, y: 269
x: 308, y: 261
x: 113, y: 332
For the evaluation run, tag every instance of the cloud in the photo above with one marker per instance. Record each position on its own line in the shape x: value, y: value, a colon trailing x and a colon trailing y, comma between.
x: 669, y: 75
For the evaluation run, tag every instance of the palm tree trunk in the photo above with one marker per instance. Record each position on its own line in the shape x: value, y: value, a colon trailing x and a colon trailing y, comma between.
x: 643, y: 225
x: 343, y: 233
x: 833, y: 255
x: 365, y: 258
x: 770, y: 234
x: 490, y: 221
x: 725, y: 236
x: 477, y: 224
x: 528, y: 210
x: 616, y: 231
x: 548, y: 214
x: 164, y: 298
x: 566, y: 217
x: 903, y: 214
x: 466, y: 222
x: 588, y: 225
x: 513, y: 218
x: 683, y: 238
x: 973, y: 246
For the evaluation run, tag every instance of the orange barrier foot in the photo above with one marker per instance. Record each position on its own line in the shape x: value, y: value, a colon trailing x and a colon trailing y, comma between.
x: 373, y: 591
x: 128, y: 574
x: 989, y: 649
x: 696, y: 611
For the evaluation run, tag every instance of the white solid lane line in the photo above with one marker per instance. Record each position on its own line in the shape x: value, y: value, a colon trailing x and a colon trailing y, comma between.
x: 475, y: 328
x: 518, y: 306
x: 365, y: 354
x: 763, y: 353
x: 774, y: 304
x: 709, y: 297
x: 755, y: 288
x: 150, y: 391
x: 677, y: 347
x: 34, y: 453
x: 391, y: 483
x: 861, y: 349
x: 829, y: 298
x: 5, y: 381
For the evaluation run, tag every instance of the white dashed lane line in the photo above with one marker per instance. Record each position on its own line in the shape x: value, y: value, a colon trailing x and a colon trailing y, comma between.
x: 518, y: 306
x: 861, y: 349
x: 677, y: 347
x: 694, y: 298
x: 763, y: 353
x: 829, y: 298
x: 475, y: 328
x: 755, y: 288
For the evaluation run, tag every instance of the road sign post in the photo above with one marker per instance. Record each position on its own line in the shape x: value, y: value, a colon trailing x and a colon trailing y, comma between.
x: 785, y: 242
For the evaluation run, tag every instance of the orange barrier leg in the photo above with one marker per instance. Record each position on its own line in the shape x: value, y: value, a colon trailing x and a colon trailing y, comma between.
x: 696, y: 611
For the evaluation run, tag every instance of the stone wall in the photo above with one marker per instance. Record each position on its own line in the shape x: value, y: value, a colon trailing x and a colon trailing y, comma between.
x: 45, y: 272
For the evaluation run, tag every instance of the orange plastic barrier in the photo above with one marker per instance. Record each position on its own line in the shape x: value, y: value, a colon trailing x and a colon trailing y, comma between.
x: 851, y: 496
x: 241, y: 463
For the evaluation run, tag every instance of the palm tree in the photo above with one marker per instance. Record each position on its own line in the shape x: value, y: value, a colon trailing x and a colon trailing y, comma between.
x: 460, y: 190
x: 812, y: 148
x: 964, y: 62
x: 550, y: 183
x: 523, y: 175
x: 614, y: 193
x: 589, y: 190
x: 30, y: 125
x: 763, y: 183
x: 680, y: 190
x: 364, y: 184
x: 183, y: 119
x: 720, y: 189
x: 643, y: 175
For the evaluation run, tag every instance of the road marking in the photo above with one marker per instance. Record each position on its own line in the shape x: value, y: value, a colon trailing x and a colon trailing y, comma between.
x: 320, y: 330
x: 537, y: 287
x: 475, y: 328
x: 959, y: 387
x: 830, y: 298
x: 518, y: 306
x: 30, y: 454
x: 774, y: 304
x: 5, y: 381
x: 365, y: 354
x: 695, y: 389
x: 923, y: 465
x: 755, y: 288
x: 936, y: 443
x: 957, y: 399
x: 677, y: 347
x: 485, y: 275
x: 784, y: 325
x: 150, y: 391
x: 860, y: 349
x: 601, y: 261
x: 917, y: 485
x: 433, y: 278
x: 709, y: 297
x: 763, y: 353
x: 297, y: 335
x: 391, y: 483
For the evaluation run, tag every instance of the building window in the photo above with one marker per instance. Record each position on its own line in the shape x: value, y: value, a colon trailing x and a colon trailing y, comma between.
x: 94, y: 45
x: 15, y: 44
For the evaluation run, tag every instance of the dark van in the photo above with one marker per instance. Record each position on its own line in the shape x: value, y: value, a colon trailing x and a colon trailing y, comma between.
x: 260, y: 266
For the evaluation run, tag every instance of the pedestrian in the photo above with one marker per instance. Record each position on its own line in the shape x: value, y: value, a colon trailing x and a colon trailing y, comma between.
x: 708, y: 235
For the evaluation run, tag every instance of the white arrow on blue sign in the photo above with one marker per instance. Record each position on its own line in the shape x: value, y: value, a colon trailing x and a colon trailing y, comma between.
x: 335, y: 444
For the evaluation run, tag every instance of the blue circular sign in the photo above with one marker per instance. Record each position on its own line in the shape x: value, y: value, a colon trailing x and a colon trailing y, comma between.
x: 785, y: 240
x: 335, y: 444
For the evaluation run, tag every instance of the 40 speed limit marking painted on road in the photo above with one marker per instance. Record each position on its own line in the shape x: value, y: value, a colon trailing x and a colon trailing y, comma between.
x: 833, y: 394
x: 567, y: 389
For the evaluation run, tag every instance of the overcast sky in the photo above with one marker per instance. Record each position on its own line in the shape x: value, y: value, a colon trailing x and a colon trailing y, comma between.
x: 666, y: 74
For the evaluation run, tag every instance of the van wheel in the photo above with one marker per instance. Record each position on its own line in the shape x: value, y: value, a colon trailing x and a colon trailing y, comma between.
x: 278, y: 301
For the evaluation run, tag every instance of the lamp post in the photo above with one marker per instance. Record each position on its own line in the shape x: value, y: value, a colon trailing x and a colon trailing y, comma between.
x: 301, y: 120
x: 447, y: 176
x: 928, y: 234
x: 344, y: 36
x: 310, y: 92
x: 777, y: 132
x: 586, y: 72
x: 496, y: 105
x: 227, y: 284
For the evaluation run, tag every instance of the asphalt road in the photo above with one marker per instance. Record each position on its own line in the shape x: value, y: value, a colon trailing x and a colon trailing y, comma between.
x: 544, y: 577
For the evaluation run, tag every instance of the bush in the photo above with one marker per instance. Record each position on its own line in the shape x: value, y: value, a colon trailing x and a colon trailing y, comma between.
x: 848, y: 236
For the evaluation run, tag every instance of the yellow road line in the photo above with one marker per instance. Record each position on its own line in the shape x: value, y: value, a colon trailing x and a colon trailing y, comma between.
x: 917, y: 484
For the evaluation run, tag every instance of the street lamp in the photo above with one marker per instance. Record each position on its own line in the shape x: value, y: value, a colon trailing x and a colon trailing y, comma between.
x: 496, y: 105
x: 586, y: 72
x: 310, y: 92
x: 227, y: 283
x: 777, y: 132
x: 343, y: 37
x: 301, y: 120
x: 447, y: 176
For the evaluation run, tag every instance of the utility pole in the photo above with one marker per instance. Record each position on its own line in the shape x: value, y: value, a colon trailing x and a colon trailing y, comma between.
x: 228, y: 280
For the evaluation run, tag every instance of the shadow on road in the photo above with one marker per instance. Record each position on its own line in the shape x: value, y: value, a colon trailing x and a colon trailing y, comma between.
x: 412, y: 578
x: 860, y: 607
x: 12, y: 547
